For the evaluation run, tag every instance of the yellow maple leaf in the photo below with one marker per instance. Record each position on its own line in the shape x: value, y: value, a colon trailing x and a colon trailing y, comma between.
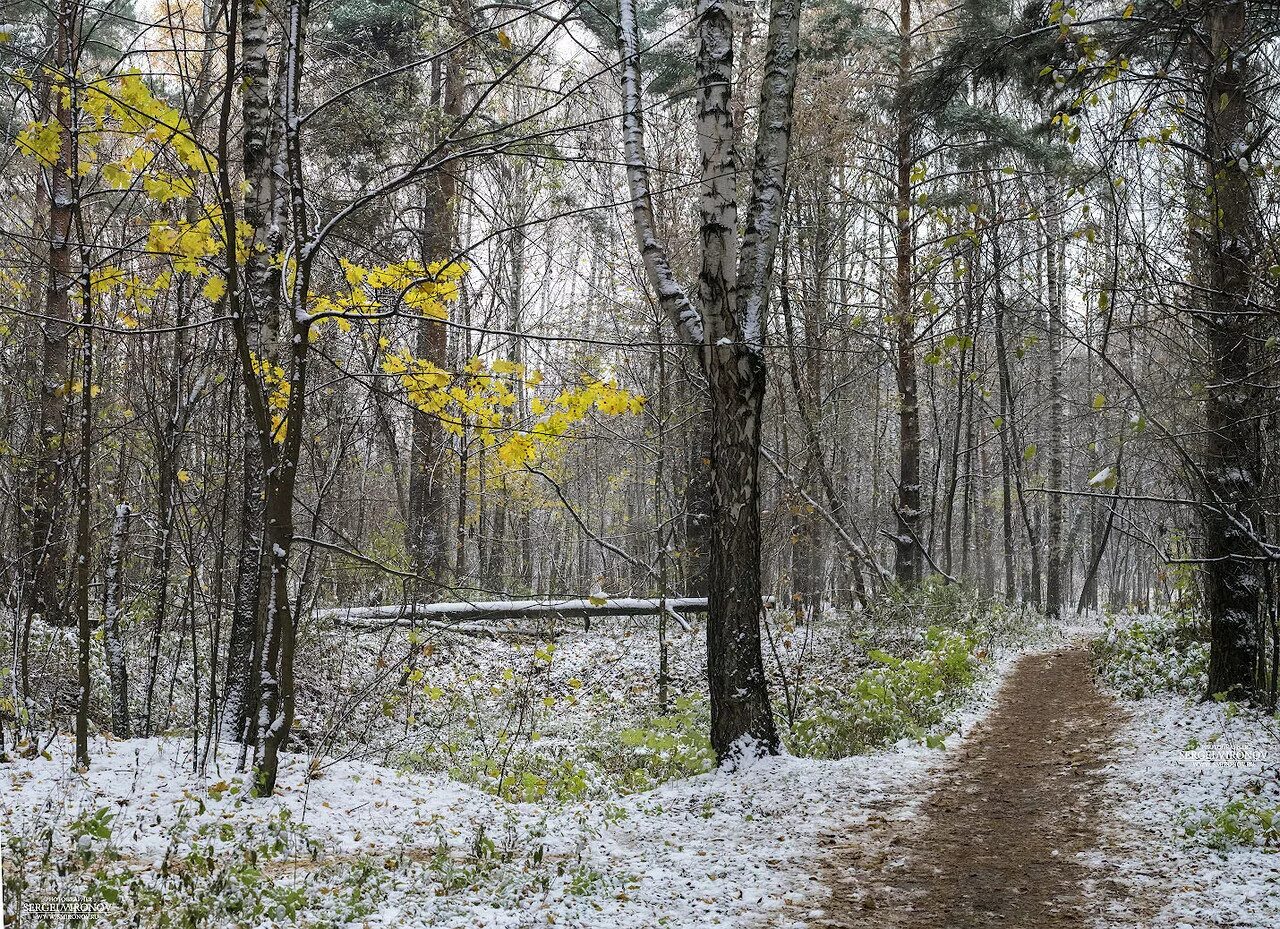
x: 214, y: 288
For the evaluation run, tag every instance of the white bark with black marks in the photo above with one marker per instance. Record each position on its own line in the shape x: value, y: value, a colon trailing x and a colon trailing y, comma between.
x: 728, y: 323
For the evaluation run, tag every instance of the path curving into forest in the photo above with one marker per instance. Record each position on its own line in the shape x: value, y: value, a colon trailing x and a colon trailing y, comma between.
x: 997, y: 843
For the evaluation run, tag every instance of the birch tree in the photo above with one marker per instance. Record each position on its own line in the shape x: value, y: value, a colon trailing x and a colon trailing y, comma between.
x: 725, y: 320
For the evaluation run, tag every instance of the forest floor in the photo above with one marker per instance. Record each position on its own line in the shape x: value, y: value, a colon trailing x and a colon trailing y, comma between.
x: 998, y: 841
x: 1051, y: 804
x: 1066, y: 808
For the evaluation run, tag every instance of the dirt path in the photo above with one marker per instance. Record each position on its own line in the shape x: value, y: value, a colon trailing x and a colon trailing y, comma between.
x: 996, y: 842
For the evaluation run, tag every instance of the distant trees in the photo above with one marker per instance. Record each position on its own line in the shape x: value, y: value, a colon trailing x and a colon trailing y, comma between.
x: 349, y: 319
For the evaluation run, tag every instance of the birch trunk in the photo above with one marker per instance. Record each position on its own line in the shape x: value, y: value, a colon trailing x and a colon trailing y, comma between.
x: 258, y: 303
x: 728, y: 323
x: 276, y: 692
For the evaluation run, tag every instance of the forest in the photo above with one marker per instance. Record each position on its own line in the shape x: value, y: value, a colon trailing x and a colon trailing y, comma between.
x: 624, y: 463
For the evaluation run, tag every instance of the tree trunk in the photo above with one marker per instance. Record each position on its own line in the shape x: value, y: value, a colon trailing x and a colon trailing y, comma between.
x: 258, y: 303
x: 112, y: 639
x: 428, y: 511
x: 735, y: 664
x: 242, y: 647
x: 697, y: 502
x: 729, y: 324
x: 83, y: 536
x: 1233, y: 582
x: 908, y: 556
x: 47, y: 546
x: 1055, y: 586
x: 163, y: 557
x: 276, y: 690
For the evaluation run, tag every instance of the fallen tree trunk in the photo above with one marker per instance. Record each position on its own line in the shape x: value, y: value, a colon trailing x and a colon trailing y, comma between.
x: 461, y: 617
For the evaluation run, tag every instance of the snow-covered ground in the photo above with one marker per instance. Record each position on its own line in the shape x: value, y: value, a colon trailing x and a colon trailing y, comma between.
x: 726, y: 849
x: 372, y: 846
x: 1179, y: 767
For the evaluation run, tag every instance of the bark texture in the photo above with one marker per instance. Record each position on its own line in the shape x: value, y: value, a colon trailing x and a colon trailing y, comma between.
x: 908, y: 561
x: 1233, y: 581
x: 428, y: 509
x: 258, y: 303
x: 727, y: 323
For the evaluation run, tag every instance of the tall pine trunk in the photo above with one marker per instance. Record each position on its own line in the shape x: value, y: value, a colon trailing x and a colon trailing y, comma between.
x: 84, y: 538
x: 428, y: 510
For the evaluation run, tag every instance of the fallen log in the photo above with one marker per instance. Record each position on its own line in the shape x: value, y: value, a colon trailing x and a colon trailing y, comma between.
x: 462, y: 617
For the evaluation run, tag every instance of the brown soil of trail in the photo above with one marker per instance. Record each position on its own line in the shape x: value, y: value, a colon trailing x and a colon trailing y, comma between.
x: 998, y: 842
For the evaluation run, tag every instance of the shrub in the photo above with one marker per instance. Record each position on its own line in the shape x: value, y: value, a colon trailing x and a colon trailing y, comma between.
x: 1140, y: 656
x: 897, y: 698
x: 527, y: 776
x: 667, y: 747
x: 990, y: 621
x: 1242, y: 822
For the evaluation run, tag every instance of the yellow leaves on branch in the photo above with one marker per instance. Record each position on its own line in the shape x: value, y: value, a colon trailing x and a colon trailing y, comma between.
x: 121, y: 120
x: 127, y: 106
x: 424, y: 291
x: 41, y: 141
x: 139, y: 143
x: 164, y: 187
x: 480, y: 396
x: 214, y: 289
x: 518, y: 450
x: 424, y: 382
x: 187, y: 247
x: 75, y: 388
x: 276, y: 390
x: 187, y: 244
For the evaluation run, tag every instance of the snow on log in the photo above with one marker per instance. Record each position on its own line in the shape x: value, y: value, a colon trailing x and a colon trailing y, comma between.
x: 461, y: 617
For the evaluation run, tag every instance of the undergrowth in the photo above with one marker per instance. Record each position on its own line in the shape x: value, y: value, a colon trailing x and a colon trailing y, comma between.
x: 262, y: 874
x: 895, y: 673
x: 894, y: 699
x: 1241, y: 822
x: 1141, y: 656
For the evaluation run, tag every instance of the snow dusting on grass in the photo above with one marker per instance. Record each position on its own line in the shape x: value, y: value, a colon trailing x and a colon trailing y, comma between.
x: 733, y: 849
x: 497, y: 784
x: 1184, y: 809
